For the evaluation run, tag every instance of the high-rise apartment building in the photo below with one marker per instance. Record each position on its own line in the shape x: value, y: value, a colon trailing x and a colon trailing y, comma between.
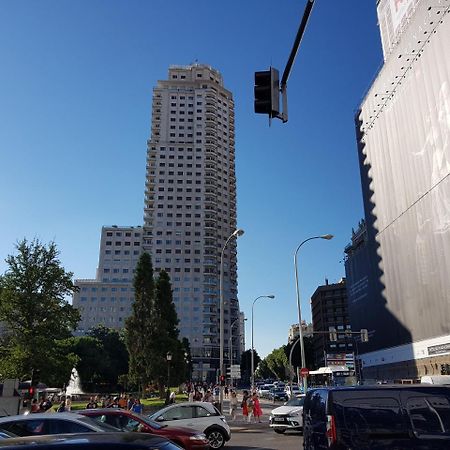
x: 329, y: 309
x: 190, y: 205
x: 402, y: 296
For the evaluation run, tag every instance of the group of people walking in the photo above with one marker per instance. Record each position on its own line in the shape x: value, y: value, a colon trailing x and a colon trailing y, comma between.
x: 251, y: 408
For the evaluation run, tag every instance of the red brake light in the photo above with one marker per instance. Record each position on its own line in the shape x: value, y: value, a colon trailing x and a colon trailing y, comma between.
x: 331, y: 431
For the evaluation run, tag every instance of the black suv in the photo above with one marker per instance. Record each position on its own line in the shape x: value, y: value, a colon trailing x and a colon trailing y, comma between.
x: 394, y: 417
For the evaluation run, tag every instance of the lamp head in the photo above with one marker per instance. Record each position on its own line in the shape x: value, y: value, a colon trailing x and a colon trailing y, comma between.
x: 327, y: 236
x: 238, y: 232
x: 270, y: 296
x: 169, y: 356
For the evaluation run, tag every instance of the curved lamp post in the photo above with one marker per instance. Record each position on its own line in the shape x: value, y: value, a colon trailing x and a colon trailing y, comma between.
x: 168, y: 358
x: 252, y: 384
x: 300, y: 331
x: 236, y: 233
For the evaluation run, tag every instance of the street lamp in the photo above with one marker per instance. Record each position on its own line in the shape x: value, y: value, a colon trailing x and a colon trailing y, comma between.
x: 236, y: 233
x: 168, y: 358
x: 300, y: 330
x: 230, y: 346
x: 253, y: 350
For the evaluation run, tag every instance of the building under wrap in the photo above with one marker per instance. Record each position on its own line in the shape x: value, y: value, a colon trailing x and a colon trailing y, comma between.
x: 403, y: 130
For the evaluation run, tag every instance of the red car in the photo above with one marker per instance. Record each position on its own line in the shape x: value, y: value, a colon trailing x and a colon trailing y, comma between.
x: 129, y: 421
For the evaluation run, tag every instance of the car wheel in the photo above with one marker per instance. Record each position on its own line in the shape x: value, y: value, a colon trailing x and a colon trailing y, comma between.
x: 216, y: 438
x: 279, y: 430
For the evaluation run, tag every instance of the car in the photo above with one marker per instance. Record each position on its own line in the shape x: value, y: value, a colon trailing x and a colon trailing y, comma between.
x: 381, y: 416
x: 6, y: 434
x: 57, y: 423
x: 90, y: 441
x: 278, y: 394
x: 288, y: 416
x: 201, y: 416
x: 264, y: 390
x: 130, y: 421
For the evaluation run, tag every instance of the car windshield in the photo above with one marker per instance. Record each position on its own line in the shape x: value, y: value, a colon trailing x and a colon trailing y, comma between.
x: 148, y: 420
x: 296, y: 401
x: 104, y: 426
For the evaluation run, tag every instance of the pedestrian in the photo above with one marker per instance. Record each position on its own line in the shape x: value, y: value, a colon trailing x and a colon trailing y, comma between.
x: 233, y: 405
x: 250, y: 406
x: 226, y: 391
x: 137, y: 407
x: 257, y: 410
x: 62, y: 406
x: 34, y: 406
x: 123, y: 401
x: 130, y: 402
x: 91, y: 404
x: 172, y: 397
x: 197, y: 396
x: 191, y: 396
x: 244, y: 405
x: 208, y: 397
x: 68, y: 403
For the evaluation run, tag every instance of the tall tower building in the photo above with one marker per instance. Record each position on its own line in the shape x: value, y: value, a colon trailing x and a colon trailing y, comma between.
x: 190, y: 205
x: 400, y: 284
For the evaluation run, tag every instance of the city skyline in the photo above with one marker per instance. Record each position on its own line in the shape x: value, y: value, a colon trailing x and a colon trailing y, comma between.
x: 76, y: 116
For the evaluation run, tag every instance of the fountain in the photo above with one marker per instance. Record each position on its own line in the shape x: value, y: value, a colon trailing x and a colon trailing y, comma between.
x: 74, y: 385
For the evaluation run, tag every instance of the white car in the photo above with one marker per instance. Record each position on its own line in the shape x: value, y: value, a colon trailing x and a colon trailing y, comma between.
x: 264, y: 390
x: 200, y: 416
x: 288, y: 416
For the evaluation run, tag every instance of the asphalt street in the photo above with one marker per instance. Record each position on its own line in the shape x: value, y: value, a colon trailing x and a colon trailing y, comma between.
x: 245, y: 435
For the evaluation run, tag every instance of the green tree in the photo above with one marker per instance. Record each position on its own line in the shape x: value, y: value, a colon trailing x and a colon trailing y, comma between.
x: 277, y: 362
x: 246, y: 365
x: 139, y: 327
x: 35, y: 312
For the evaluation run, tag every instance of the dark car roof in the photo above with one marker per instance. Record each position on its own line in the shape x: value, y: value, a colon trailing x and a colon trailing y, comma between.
x: 377, y: 387
x: 130, y: 440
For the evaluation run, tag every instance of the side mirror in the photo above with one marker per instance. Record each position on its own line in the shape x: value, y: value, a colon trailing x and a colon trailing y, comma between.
x: 160, y: 419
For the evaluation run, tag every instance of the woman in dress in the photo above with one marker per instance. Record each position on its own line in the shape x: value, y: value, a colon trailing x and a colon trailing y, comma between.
x: 257, y: 411
x: 233, y: 405
x: 244, y: 405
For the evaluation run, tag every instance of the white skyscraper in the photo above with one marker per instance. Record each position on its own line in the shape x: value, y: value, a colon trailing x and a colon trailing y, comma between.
x: 190, y: 205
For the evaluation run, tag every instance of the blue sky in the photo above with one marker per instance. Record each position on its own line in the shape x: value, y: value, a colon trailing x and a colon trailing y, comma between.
x: 76, y: 83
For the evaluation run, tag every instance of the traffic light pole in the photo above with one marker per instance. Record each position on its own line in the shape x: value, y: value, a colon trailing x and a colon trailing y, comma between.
x: 283, y: 85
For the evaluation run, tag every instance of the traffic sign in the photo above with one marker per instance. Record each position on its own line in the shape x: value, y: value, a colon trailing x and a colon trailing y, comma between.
x: 304, y: 371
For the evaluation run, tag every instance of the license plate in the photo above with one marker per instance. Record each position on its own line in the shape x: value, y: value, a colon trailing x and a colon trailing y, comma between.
x: 278, y: 419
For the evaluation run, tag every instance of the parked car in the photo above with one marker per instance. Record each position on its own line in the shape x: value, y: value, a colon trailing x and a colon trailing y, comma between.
x: 129, y: 421
x: 264, y: 390
x: 200, y: 416
x: 382, y: 417
x: 278, y: 394
x: 90, y: 441
x: 288, y: 416
x: 45, y: 423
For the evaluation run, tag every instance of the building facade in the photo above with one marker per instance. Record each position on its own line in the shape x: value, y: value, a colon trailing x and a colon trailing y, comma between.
x: 107, y: 298
x: 329, y: 310
x: 307, y: 329
x: 403, y: 132
x: 190, y: 206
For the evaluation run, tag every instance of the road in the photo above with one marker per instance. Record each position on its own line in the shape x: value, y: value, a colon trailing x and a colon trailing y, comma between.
x: 246, y: 435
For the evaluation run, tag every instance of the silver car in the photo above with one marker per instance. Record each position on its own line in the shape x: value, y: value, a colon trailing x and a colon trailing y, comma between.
x: 288, y: 416
x: 45, y: 423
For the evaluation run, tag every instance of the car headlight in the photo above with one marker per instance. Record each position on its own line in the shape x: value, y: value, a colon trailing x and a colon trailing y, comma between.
x: 199, y: 437
x: 294, y: 414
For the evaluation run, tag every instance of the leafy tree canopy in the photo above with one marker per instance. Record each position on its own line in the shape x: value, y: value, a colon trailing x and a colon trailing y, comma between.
x: 34, y: 311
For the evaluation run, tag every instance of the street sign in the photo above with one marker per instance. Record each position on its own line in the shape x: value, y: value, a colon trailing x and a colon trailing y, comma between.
x: 304, y: 371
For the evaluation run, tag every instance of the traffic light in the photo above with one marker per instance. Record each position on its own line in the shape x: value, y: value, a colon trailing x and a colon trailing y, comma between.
x: 364, y: 335
x: 222, y: 380
x: 29, y: 394
x: 267, y: 92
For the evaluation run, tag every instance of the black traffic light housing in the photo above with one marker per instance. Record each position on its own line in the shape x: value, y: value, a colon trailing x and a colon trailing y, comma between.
x: 35, y: 377
x: 267, y: 92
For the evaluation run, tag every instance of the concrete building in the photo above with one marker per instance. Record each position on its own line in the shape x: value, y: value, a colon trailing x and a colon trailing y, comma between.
x: 329, y: 309
x: 307, y: 329
x: 107, y: 299
x: 403, y: 132
x: 190, y: 205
